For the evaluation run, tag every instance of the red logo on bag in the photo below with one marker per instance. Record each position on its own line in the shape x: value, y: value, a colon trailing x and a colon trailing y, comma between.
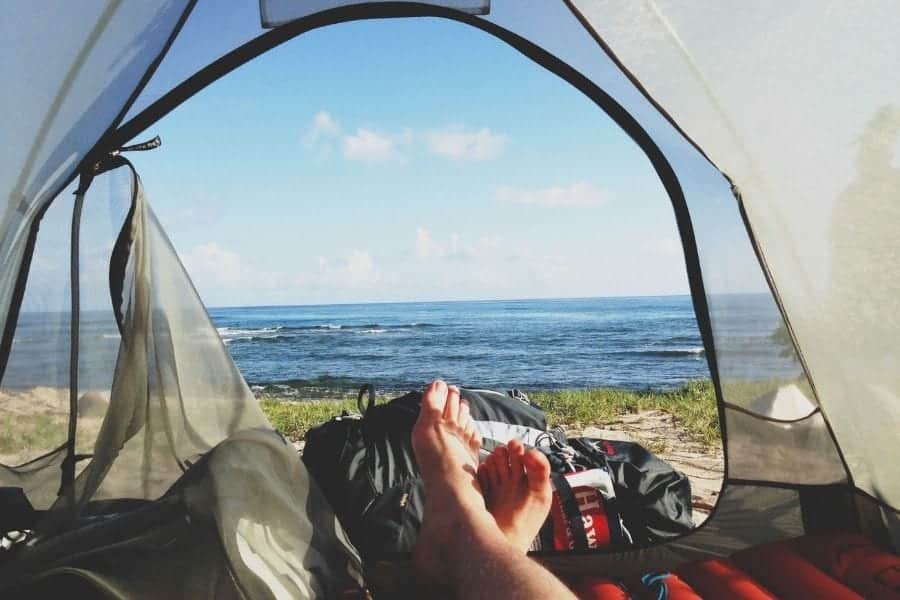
x: 593, y: 520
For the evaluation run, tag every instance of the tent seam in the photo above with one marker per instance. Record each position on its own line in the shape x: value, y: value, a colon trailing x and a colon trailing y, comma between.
x: 760, y: 417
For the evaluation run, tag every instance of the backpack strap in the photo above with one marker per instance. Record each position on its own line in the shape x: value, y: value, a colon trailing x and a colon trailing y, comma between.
x: 570, y: 510
x: 618, y: 535
x: 366, y: 388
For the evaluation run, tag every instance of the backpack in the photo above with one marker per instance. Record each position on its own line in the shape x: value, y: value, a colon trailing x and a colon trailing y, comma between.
x: 366, y: 468
x: 606, y: 494
x: 611, y: 494
x: 654, y: 499
x: 584, y: 513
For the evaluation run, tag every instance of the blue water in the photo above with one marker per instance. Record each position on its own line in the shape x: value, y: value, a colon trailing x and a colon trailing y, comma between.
x: 302, y: 351
x: 636, y: 343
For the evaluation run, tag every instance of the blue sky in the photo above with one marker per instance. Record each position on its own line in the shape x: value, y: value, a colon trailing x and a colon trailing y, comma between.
x: 406, y: 160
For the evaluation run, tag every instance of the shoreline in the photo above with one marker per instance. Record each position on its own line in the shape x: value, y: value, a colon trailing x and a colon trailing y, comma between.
x: 328, y: 388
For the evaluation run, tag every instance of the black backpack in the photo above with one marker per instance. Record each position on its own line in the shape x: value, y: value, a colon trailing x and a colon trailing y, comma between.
x: 654, y: 499
x: 365, y: 464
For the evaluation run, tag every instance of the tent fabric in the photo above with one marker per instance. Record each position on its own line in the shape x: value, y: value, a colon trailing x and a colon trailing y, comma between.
x: 213, y: 535
x: 208, y: 33
x: 180, y: 416
x: 792, y: 101
x: 176, y: 393
x: 284, y: 543
x: 793, y: 452
x: 70, y: 70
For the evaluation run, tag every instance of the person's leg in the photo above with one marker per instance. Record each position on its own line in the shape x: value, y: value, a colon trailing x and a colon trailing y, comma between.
x: 515, y: 482
x: 460, y: 543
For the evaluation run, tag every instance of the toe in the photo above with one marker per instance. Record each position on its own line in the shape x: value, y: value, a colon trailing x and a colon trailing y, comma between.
x: 493, y: 470
x: 502, y: 461
x: 472, y: 441
x: 474, y: 438
x: 484, y: 480
x: 465, y: 420
x: 434, y: 399
x: 451, y: 407
x: 516, y: 451
x: 537, y: 469
x: 515, y: 447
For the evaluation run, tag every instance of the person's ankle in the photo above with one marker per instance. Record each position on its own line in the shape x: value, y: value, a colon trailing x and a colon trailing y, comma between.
x: 461, y: 491
x: 471, y: 539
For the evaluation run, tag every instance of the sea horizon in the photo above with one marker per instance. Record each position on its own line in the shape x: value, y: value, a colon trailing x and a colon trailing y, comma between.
x: 457, y: 300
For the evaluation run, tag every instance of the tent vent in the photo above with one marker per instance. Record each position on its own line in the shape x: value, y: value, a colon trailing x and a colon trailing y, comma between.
x: 274, y: 13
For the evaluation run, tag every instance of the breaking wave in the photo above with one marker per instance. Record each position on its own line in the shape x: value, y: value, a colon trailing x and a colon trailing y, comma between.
x: 664, y: 352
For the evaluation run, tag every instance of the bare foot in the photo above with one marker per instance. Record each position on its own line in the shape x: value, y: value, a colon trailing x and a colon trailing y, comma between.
x: 517, y: 491
x: 446, y: 448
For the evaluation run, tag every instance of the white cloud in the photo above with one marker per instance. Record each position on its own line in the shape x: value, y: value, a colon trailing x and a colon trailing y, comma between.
x: 357, y: 269
x: 210, y: 263
x: 369, y: 146
x: 224, y: 277
x: 323, y: 126
x: 219, y: 272
x: 462, y: 144
x: 577, y: 194
x: 455, y: 246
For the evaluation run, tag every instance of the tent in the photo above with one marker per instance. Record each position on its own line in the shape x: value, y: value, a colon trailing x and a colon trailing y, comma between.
x: 180, y: 488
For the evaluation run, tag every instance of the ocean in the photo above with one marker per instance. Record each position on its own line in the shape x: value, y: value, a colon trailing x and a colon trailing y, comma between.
x: 634, y: 343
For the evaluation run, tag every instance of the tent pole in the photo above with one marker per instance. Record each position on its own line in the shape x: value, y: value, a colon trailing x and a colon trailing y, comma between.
x: 67, y: 486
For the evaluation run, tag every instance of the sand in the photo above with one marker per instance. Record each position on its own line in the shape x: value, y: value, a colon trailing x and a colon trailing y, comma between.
x: 35, y: 421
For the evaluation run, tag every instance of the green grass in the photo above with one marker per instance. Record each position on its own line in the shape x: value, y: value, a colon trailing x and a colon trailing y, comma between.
x: 693, y: 406
x: 27, y: 436
x: 24, y: 437
x: 293, y: 419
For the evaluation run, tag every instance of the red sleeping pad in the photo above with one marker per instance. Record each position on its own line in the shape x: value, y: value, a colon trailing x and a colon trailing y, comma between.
x: 649, y: 586
x: 856, y: 561
x: 721, y: 578
x: 828, y: 567
x: 782, y: 569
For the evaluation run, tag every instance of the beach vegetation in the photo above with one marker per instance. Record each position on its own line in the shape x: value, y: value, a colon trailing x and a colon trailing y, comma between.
x: 23, y: 437
x: 693, y: 406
